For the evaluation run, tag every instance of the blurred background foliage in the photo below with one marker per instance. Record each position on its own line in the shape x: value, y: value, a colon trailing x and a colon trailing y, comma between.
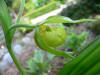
x: 9, y: 2
x: 77, y: 10
x: 40, y: 63
x: 31, y: 3
x: 75, y: 41
x: 82, y: 9
x: 42, y: 10
x: 37, y: 7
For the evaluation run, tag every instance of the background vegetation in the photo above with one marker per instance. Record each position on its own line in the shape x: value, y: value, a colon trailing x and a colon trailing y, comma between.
x: 77, y: 45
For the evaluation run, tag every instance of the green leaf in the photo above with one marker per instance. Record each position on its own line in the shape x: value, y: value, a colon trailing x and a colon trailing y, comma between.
x: 20, y: 11
x: 85, y: 62
x: 94, y: 70
x: 6, y: 24
x: 62, y: 19
x: 5, y: 19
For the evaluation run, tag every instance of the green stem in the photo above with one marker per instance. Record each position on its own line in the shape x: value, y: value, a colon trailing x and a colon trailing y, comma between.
x: 9, y: 47
x: 20, y: 11
x: 10, y: 51
x: 15, y: 60
x: 6, y: 24
x: 15, y: 26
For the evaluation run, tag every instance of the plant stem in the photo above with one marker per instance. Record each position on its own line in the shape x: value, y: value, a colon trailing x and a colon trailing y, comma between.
x: 11, y: 52
x: 9, y: 46
x: 6, y: 24
x: 20, y: 11
x: 15, y: 26
x: 16, y: 61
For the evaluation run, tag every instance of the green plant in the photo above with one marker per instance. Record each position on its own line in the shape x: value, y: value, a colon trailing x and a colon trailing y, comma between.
x: 9, y: 30
x: 61, y: 1
x: 82, y: 9
x: 87, y: 63
x: 42, y: 2
x: 75, y: 41
x: 30, y: 5
x: 39, y: 63
x: 16, y: 4
x: 34, y: 4
x: 42, y: 10
x: 6, y: 24
x: 9, y: 2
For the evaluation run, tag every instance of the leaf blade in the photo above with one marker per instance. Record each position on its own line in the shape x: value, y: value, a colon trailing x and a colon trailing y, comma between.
x: 70, y: 66
x: 62, y: 19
